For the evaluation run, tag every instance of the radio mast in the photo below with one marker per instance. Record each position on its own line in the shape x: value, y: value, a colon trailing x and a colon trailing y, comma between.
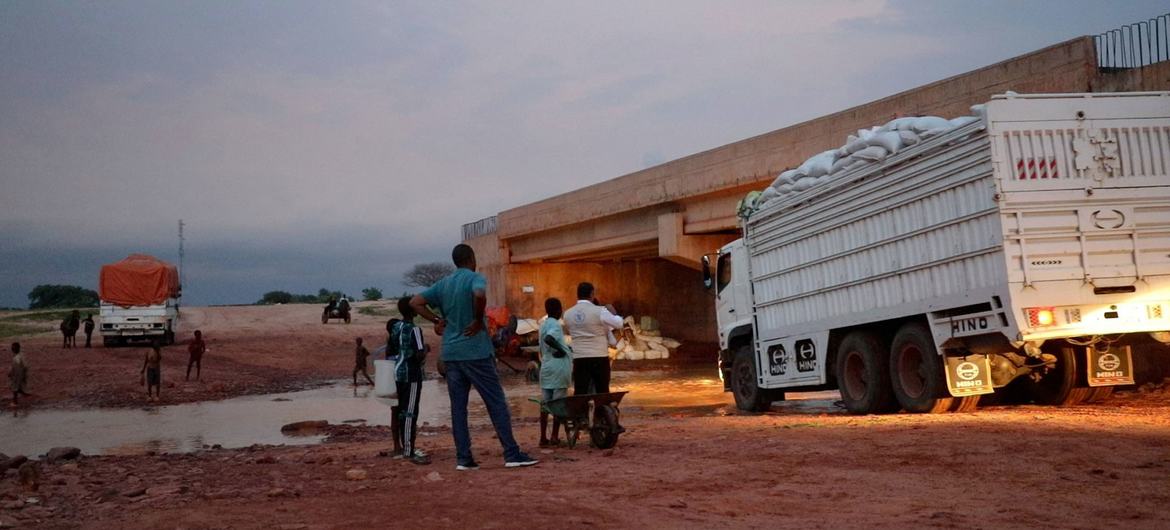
x: 180, y: 253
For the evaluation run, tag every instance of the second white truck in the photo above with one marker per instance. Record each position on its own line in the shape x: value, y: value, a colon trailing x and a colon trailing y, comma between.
x: 139, y: 301
x: 1029, y: 248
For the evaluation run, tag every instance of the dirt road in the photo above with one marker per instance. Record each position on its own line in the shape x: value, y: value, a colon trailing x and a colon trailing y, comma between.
x: 1021, y: 467
x: 1099, y: 466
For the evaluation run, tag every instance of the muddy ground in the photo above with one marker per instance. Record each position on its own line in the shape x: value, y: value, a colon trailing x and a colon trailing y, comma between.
x: 1104, y: 465
x: 253, y: 350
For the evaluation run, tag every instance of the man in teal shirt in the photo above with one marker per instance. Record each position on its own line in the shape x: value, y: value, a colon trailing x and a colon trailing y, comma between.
x: 468, y: 354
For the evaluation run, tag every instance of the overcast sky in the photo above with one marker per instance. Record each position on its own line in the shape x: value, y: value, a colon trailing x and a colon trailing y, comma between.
x: 334, y: 144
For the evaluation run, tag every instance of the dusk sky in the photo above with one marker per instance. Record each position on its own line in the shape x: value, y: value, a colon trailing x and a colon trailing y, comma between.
x: 334, y: 144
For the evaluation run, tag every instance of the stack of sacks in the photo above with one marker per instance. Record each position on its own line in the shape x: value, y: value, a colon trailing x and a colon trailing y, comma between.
x: 643, y: 341
x: 867, y: 146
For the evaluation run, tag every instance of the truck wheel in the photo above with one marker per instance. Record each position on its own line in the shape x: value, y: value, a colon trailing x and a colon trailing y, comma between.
x: 748, y: 395
x: 916, y: 371
x: 863, y: 374
x: 1059, y: 386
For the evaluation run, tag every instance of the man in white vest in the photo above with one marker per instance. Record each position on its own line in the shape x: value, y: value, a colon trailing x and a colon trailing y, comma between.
x: 589, y: 325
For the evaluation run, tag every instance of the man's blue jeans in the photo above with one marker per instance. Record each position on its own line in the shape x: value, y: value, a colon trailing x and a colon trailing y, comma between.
x: 481, y: 374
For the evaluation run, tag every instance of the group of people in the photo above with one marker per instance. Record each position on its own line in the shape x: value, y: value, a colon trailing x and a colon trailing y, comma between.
x: 151, y: 372
x: 468, y: 356
x: 586, y: 364
x: 406, y: 347
x: 71, y: 324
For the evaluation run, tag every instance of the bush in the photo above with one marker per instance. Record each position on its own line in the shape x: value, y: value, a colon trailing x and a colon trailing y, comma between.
x: 49, y: 296
x: 276, y: 297
x: 371, y: 293
x: 285, y: 297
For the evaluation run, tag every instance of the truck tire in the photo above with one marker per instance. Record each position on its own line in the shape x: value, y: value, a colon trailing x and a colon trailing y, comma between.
x: 748, y: 395
x: 916, y: 371
x: 863, y: 374
x: 1059, y: 386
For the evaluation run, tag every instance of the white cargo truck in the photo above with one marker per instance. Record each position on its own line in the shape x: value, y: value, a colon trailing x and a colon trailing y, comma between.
x: 1028, y: 250
x: 139, y: 300
x: 122, y: 324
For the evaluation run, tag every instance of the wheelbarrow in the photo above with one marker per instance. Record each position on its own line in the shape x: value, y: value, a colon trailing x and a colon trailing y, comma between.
x: 573, y: 411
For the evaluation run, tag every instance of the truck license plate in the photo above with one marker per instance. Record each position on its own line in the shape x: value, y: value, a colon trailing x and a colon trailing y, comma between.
x: 969, y: 376
x: 1111, y: 367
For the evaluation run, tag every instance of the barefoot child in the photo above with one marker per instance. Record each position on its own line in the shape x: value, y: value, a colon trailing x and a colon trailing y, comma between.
x: 152, y: 372
x: 556, y: 367
x: 196, y: 349
x: 408, y: 374
x: 360, y: 354
x: 18, y: 374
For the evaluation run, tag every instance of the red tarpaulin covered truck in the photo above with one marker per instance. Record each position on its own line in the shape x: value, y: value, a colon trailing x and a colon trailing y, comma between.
x: 139, y: 300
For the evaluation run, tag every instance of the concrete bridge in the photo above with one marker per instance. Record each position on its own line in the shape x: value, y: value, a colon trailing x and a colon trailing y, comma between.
x: 639, y: 237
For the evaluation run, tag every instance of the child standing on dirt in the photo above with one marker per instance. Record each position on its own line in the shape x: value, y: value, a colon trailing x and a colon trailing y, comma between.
x: 360, y: 354
x: 18, y: 374
x: 195, y: 349
x: 408, y: 376
x: 152, y: 372
x: 556, y: 367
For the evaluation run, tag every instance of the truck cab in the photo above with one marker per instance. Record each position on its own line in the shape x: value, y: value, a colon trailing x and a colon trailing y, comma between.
x: 733, y: 305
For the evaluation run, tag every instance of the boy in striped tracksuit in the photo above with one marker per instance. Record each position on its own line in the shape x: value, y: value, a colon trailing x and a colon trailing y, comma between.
x: 408, y: 374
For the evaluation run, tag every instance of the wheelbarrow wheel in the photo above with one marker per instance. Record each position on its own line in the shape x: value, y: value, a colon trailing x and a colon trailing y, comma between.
x: 604, y: 433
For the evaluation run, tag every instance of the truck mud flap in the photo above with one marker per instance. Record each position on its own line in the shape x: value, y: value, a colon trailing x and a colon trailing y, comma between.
x: 1110, y: 367
x: 969, y: 375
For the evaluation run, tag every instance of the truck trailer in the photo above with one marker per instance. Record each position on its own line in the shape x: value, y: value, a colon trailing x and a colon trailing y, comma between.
x: 139, y: 300
x: 1023, y: 252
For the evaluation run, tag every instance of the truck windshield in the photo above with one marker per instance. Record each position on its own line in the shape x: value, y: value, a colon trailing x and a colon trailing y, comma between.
x: 723, y: 272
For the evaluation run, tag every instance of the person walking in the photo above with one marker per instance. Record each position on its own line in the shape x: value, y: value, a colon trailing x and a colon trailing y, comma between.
x: 74, y: 325
x: 195, y: 350
x: 88, y: 328
x: 589, y: 324
x: 18, y: 374
x: 461, y: 297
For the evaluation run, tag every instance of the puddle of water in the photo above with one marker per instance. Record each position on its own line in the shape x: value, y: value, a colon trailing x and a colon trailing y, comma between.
x: 243, y: 421
x: 236, y: 422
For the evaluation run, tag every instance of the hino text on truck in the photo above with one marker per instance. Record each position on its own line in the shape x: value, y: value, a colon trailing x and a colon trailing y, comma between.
x: 929, y: 262
x: 139, y: 300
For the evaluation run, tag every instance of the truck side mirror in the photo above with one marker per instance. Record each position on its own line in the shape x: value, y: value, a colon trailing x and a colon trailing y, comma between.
x: 706, y: 272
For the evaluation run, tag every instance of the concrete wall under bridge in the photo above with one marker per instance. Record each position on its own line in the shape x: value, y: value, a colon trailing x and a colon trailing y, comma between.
x: 639, y: 237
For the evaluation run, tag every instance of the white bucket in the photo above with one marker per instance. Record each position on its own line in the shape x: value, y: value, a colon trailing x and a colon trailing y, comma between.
x: 384, y: 379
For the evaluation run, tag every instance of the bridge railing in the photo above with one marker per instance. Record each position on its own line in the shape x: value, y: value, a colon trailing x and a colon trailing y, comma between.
x: 479, y: 228
x: 1135, y: 45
